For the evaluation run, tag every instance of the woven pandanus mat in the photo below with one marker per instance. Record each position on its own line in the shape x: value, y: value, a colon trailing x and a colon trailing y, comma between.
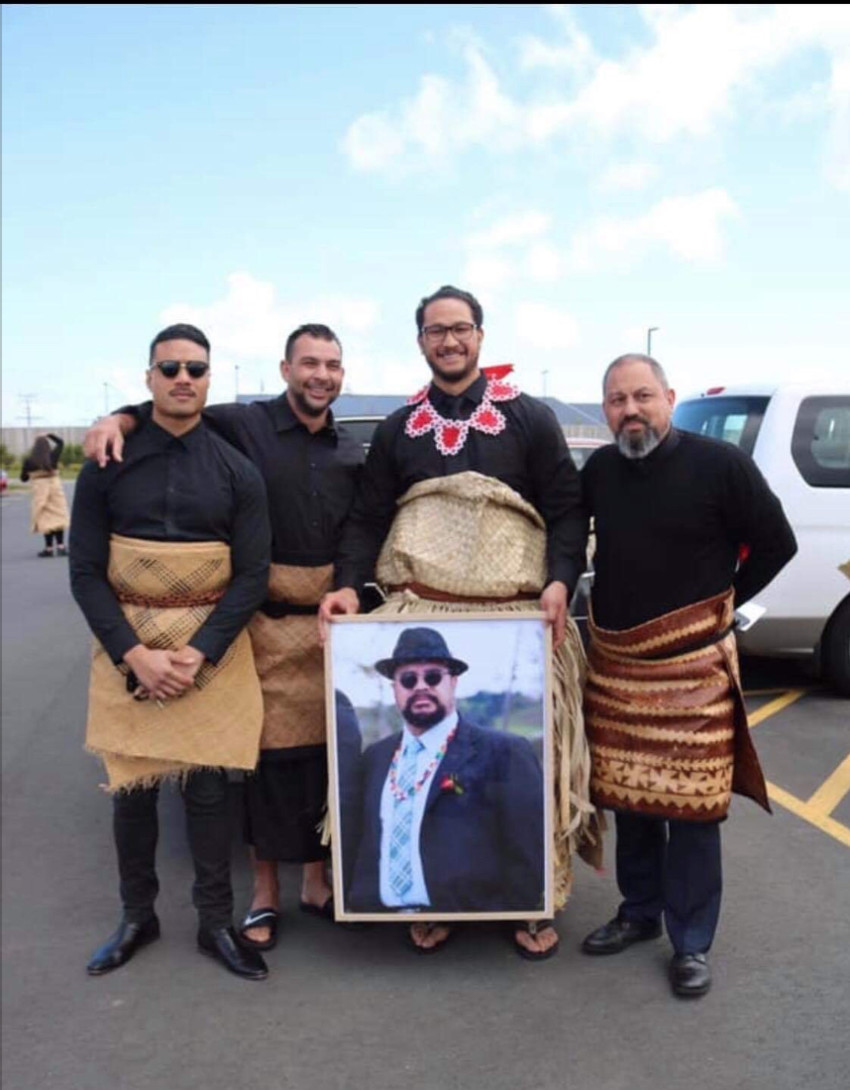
x: 465, y: 534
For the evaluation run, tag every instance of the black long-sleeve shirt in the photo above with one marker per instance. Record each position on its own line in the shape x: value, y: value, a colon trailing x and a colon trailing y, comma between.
x: 30, y: 466
x: 530, y: 456
x: 195, y: 487
x: 670, y: 527
x: 310, y: 477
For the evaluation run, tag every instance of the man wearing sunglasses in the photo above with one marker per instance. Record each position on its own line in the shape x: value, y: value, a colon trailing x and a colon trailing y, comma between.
x: 469, y: 496
x: 169, y: 560
x: 310, y: 468
x: 452, y: 816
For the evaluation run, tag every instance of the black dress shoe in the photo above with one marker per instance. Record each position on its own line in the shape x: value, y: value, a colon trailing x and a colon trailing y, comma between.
x: 222, y: 944
x: 120, y: 947
x: 690, y: 975
x: 619, y: 934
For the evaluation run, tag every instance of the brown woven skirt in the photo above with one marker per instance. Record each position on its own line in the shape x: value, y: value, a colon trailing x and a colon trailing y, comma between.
x: 665, y: 716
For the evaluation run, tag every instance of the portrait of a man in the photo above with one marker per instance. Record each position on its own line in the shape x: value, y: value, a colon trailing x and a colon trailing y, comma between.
x: 448, y: 814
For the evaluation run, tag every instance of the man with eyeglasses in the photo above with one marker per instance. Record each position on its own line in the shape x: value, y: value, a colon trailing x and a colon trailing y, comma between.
x: 452, y: 816
x: 310, y: 468
x: 469, y: 500
x: 169, y: 560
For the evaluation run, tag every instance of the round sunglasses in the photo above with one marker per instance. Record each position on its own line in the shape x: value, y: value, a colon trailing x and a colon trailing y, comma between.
x: 432, y: 677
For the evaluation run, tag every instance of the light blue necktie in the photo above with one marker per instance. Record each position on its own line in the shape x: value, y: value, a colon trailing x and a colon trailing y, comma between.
x: 401, y: 847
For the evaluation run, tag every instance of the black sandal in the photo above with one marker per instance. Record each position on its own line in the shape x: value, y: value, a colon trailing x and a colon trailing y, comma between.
x: 531, y: 927
x: 260, y: 917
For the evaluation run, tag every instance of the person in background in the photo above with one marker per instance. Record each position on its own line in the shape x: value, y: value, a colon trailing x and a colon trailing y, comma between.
x: 49, y: 508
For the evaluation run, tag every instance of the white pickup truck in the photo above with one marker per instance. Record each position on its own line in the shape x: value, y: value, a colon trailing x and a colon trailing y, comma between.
x: 799, y: 437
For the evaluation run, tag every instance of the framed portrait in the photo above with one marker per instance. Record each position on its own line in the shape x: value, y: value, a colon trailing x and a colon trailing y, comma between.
x: 441, y: 766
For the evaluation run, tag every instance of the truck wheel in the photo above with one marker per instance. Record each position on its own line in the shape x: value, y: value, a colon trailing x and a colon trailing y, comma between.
x: 835, y: 650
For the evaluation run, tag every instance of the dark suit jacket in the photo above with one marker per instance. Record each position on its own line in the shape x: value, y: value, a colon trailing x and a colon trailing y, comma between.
x: 482, y: 846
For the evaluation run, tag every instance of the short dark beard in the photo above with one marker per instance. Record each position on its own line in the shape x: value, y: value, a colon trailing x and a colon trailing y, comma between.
x: 304, y: 405
x: 424, y: 720
x: 637, y: 446
x: 448, y: 377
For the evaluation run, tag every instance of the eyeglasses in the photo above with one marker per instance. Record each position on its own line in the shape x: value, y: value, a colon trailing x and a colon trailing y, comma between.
x: 432, y: 677
x: 461, y: 330
x: 171, y: 368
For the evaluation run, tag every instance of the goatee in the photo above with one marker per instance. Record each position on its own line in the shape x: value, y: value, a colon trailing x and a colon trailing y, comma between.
x: 636, y: 445
x: 424, y: 720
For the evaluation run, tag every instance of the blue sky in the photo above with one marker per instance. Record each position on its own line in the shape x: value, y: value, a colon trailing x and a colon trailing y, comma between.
x: 587, y: 171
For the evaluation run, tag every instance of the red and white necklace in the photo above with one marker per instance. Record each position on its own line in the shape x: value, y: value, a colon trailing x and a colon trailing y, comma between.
x: 450, y: 435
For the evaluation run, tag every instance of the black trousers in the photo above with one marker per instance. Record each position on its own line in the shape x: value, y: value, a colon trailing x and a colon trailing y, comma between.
x: 136, y: 828
x: 671, y: 868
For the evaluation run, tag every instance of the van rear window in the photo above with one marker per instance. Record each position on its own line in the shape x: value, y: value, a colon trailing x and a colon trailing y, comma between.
x: 736, y: 420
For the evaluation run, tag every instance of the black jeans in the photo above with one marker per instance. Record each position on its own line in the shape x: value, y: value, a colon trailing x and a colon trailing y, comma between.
x: 136, y: 829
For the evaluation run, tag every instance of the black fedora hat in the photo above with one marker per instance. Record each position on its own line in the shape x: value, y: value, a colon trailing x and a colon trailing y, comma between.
x: 420, y: 645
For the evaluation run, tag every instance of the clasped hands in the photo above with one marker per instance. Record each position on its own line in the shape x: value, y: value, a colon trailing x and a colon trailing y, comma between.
x: 163, y: 674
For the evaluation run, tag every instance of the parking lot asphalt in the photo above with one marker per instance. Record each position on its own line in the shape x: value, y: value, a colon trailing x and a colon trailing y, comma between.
x: 355, y: 1009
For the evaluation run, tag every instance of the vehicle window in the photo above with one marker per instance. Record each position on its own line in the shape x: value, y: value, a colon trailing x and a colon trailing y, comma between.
x: 736, y: 420
x: 820, y: 443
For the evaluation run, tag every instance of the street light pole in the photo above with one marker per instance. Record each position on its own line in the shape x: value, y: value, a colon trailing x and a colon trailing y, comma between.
x: 652, y: 329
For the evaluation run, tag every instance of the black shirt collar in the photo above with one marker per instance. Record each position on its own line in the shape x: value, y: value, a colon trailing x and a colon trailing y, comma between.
x: 152, y: 439
x: 456, y: 406
x: 285, y: 419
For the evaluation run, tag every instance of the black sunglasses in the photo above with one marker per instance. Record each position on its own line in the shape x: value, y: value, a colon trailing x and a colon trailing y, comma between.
x: 431, y: 677
x: 171, y: 368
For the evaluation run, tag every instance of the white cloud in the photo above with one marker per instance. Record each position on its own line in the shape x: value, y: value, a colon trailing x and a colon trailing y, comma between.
x: 627, y: 176
x: 693, y: 74
x: 544, y: 327
x: 511, y: 229
x: 249, y: 326
x: 689, y: 227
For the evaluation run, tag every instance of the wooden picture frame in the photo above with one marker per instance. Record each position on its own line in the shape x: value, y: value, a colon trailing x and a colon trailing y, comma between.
x: 482, y: 809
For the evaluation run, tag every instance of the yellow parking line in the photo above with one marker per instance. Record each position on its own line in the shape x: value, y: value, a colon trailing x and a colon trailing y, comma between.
x: 830, y: 793
x: 769, y: 692
x: 774, y: 706
x: 804, y: 810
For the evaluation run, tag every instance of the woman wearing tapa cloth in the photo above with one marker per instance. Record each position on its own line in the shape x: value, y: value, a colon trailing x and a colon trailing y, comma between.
x: 169, y: 559
x: 48, y: 506
x: 470, y: 450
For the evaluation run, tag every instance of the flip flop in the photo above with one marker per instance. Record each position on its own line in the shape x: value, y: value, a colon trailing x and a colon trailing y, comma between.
x: 260, y: 917
x: 531, y: 927
x: 430, y: 927
x: 326, y: 911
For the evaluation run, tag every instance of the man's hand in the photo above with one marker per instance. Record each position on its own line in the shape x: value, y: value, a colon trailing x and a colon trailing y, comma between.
x: 107, y: 437
x: 554, y: 601
x: 188, y: 660
x: 157, y: 674
x: 338, y: 602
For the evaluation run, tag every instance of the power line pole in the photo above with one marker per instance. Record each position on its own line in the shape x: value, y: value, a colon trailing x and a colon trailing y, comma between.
x: 652, y: 329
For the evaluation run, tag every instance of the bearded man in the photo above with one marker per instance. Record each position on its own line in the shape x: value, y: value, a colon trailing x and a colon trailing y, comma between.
x: 469, y: 500
x: 686, y: 530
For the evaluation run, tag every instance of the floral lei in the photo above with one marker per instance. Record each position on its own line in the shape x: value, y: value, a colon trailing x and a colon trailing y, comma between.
x: 395, y: 790
x: 450, y: 435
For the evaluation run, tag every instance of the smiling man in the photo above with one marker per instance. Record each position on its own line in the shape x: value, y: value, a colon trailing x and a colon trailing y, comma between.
x: 675, y: 514
x: 310, y: 468
x: 470, y: 500
x: 452, y: 813
x: 169, y: 560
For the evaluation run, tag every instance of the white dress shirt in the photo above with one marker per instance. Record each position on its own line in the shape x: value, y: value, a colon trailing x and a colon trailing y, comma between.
x: 431, y: 740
